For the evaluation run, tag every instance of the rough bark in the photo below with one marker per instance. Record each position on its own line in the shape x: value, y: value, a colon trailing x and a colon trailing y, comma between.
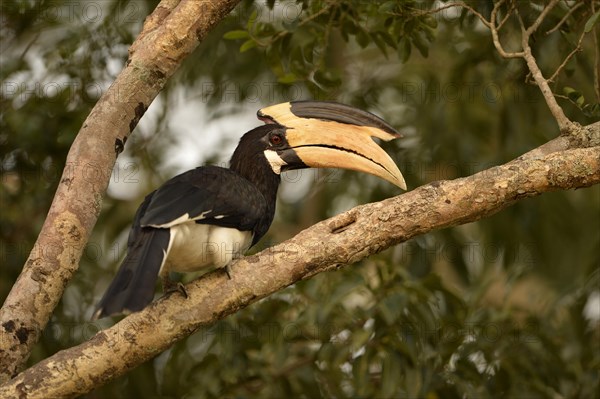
x: 172, y: 31
x: 344, y: 239
x: 578, y: 137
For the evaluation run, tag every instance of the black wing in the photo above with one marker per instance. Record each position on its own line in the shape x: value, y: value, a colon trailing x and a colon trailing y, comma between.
x: 207, y: 195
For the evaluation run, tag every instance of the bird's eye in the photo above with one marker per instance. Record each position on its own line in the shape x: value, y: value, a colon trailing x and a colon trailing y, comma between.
x: 276, y: 139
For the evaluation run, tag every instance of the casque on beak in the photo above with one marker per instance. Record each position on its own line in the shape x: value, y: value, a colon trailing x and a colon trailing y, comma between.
x: 332, y: 135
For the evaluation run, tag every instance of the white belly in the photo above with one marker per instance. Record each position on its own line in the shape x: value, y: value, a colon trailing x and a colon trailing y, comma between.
x: 195, y: 246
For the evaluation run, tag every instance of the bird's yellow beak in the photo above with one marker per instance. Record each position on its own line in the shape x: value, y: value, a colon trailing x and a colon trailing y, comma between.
x: 332, y: 135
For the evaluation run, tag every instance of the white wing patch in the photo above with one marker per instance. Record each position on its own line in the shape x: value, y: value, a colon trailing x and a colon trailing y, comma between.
x: 181, y: 219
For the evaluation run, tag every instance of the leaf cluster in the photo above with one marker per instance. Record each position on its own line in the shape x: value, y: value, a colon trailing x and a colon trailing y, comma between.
x: 298, y: 38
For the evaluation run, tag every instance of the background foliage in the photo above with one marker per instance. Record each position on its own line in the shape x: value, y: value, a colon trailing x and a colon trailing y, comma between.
x: 508, y: 306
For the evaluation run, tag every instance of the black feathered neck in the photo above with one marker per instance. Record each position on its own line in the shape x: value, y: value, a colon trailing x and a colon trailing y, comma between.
x: 249, y: 161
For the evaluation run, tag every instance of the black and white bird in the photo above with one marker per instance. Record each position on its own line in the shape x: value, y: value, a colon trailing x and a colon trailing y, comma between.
x: 210, y: 215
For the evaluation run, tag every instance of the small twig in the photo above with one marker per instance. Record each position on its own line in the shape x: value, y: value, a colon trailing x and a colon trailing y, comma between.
x: 529, y: 79
x: 508, y: 14
x: 568, y: 57
x: 495, y: 35
x: 456, y: 4
x: 283, y: 33
x: 562, y: 96
x: 541, y: 18
x: 563, y: 19
x: 564, y: 123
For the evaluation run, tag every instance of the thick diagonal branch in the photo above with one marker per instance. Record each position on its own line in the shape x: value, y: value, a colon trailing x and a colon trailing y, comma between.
x: 170, y: 34
x: 341, y: 240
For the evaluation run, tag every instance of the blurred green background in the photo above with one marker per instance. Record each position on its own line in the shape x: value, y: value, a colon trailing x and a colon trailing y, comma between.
x: 505, y: 307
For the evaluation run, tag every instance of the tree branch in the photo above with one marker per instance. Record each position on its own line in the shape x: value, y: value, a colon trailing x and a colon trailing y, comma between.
x: 564, y: 124
x: 582, y: 137
x: 169, y: 35
x: 344, y: 239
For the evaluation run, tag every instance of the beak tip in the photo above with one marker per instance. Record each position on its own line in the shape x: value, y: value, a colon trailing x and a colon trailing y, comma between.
x: 400, y: 183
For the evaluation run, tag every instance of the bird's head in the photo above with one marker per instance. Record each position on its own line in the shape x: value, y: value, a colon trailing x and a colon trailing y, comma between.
x: 320, y: 134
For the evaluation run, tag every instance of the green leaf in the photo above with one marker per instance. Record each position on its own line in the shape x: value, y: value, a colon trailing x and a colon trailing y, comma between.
x: 349, y: 27
x: 248, y: 44
x: 392, y: 368
x: 360, y: 338
x: 404, y: 49
x: 574, y: 95
x: 360, y: 370
x: 420, y: 45
x: 252, y: 20
x: 589, y: 25
x: 380, y: 43
x: 388, y: 39
x: 362, y: 38
x: 236, y: 34
x: 429, y: 33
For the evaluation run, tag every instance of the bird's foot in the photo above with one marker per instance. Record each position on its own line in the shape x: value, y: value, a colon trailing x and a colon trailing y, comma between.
x: 181, y: 289
x: 170, y: 287
x: 227, y: 271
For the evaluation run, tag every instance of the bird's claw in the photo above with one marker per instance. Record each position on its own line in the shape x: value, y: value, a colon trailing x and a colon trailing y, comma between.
x: 170, y: 287
x: 181, y: 289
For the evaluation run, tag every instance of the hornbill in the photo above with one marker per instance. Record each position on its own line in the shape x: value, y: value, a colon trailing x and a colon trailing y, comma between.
x: 212, y: 215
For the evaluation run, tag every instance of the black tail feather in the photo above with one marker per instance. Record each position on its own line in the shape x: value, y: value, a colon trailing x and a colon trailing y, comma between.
x: 132, y: 289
